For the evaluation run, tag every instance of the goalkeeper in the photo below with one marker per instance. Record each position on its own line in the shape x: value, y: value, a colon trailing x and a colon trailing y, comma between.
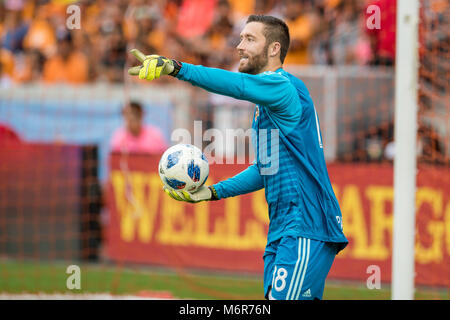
x: 305, y: 229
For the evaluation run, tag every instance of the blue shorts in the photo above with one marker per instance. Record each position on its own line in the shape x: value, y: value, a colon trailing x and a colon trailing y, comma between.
x: 296, y: 268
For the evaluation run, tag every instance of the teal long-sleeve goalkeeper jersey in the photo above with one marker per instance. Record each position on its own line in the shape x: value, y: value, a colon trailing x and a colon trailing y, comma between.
x: 289, y: 160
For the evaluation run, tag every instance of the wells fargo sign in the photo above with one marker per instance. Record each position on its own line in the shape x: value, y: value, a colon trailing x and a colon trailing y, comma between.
x: 147, y: 226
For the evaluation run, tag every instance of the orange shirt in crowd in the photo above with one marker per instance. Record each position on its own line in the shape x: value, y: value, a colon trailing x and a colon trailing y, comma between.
x: 300, y: 29
x: 7, y: 61
x: 40, y: 36
x: 242, y: 8
x: 74, y: 70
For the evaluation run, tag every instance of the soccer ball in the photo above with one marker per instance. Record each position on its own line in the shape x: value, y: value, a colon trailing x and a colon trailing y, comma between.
x: 183, y: 167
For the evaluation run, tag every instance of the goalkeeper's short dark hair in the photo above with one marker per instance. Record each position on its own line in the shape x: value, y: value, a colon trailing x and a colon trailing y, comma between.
x: 275, y: 30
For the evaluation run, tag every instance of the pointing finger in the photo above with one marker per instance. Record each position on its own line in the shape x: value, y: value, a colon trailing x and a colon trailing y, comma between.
x: 138, y: 54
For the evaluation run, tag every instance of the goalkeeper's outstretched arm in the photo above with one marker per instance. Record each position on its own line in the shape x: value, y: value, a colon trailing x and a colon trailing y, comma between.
x: 266, y: 89
x: 247, y: 181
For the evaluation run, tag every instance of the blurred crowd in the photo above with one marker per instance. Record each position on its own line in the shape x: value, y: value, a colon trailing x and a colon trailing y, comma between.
x: 76, y: 42
x: 47, y: 40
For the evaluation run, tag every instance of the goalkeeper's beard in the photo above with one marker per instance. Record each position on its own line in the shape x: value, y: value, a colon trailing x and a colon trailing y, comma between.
x: 255, y: 64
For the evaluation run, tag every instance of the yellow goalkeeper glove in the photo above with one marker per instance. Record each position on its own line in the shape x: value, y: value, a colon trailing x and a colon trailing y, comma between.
x: 202, y: 194
x: 153, y: 66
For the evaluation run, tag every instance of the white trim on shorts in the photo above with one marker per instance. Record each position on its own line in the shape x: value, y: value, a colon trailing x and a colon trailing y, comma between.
x: 295, y: 287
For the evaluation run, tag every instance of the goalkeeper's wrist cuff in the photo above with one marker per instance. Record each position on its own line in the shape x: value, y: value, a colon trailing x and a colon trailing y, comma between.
x: 214, y: 195
x: 176, y: 67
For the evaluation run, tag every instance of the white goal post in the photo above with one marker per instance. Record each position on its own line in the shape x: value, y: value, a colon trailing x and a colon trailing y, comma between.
x: 405, y: 135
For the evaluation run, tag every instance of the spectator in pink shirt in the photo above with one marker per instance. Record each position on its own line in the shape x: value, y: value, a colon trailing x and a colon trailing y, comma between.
x: 135, y: 137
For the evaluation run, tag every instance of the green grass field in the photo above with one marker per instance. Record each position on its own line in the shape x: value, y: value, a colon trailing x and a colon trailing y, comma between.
x: 39, y: 277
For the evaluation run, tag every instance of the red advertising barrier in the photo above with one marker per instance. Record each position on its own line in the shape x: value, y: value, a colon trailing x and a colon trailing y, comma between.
x: 40, y: 212
x: 147, y: 226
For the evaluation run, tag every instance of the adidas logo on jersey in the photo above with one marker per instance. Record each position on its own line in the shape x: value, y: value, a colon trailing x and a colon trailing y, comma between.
x: 307, y: 294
